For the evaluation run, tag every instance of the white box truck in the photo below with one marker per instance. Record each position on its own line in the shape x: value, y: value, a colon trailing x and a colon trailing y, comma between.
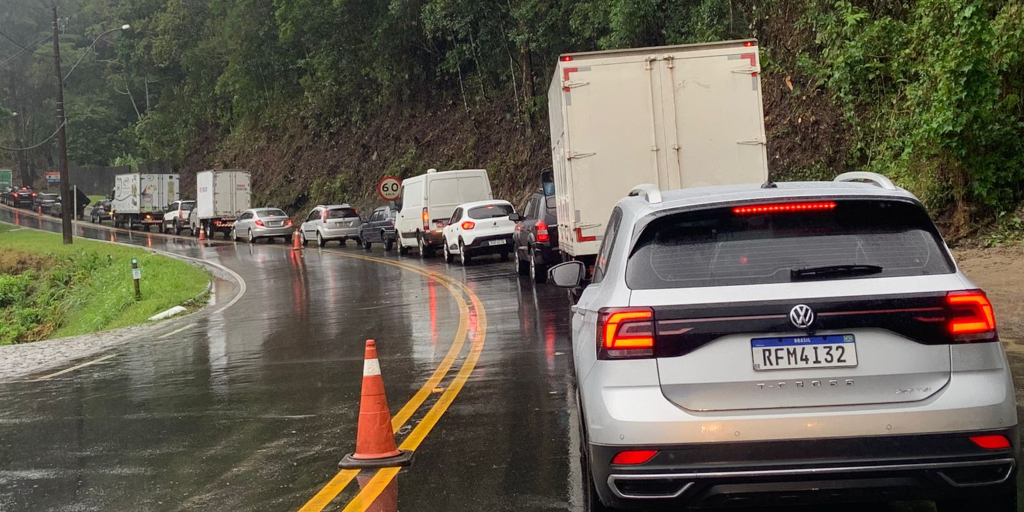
x: 138, y: 199
x: 221, y: 196
x: 674, y: 116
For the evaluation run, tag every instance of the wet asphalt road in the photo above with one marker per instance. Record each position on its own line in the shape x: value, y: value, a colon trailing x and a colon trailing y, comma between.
x: 252, y: 407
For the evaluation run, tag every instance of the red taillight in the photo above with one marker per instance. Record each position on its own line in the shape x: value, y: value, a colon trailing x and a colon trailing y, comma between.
x: 970, y: 316
x: 288, y: 223
x: 258, y: 222
x: 426, y: 219
x: 581, y: 238
x: 566, y: 58
x: 625, y: 333
x: 468, y: 225
x: 748, y: 44
x: 634, y: 457
x: 784, y: 208
x: 34, y: 194
x: 323, y: 216
x: 995, y: 442
x: 542, y: 232
x: 16, y: 196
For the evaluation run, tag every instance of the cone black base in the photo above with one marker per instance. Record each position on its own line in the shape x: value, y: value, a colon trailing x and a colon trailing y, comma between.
x: 403, y: 459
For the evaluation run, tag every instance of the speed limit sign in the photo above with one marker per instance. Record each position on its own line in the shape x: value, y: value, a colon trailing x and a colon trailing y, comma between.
x: 389, y: 187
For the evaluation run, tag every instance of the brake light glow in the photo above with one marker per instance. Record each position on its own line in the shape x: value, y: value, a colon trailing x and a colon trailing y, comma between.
x: 323, y: 216
x: 16, y: 195
x: 542, y: 232
x: 994, y: 442
x: 625, y: 333
x: 784, y: 208
x: 634, y: 457
x: 971, y: 316
x: 426, y: 219
x: 748, y: 44
x: 468, y: 225
x: 288, y: 223
x: 581, y: 238
x: 258, y: 222
x: 566, y: 58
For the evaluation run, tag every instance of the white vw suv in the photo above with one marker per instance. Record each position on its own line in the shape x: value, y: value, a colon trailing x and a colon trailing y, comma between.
x: 787, y: 344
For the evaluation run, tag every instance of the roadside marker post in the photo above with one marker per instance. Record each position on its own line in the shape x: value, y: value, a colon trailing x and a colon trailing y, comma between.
x: 136, y: 277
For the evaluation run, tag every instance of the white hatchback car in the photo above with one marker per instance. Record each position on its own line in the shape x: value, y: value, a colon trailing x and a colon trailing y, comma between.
x: 479, y: 228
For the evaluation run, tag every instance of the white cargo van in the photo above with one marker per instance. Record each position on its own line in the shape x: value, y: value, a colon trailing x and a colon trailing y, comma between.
x: 138, y: 199
x: 674, y: 116
x: 428, y: 201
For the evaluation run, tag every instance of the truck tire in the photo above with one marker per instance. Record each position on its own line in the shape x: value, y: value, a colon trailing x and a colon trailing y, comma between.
x: 177, y: 228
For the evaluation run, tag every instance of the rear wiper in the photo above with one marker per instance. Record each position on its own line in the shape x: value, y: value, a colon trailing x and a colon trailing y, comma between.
x: 831, y: 270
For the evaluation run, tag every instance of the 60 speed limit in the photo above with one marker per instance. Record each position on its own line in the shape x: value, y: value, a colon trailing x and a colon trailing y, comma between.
x: 389, y: 188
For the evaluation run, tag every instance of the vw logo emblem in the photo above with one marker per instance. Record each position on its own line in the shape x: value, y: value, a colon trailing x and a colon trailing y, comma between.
x: 801, y: 316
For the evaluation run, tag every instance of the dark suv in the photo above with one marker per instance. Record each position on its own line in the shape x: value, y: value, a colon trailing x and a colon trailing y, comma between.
x: 536, y: 237
x: 379, y: 228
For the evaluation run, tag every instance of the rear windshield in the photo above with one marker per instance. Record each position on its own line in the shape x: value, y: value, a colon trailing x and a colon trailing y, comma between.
x: 341, y: 213
x: 490, y: 211
x: 718, y: 247
x: 188, y: 205
x: 271, y: 212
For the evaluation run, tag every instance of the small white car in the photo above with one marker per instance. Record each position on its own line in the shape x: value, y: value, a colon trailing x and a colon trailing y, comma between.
x: 479, y: 228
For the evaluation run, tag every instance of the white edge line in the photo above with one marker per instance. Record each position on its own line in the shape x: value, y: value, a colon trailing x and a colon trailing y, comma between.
x: 73, y: 368
x: 172, y: 333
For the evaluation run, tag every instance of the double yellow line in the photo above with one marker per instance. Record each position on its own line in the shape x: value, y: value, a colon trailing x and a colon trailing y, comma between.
x: 383, y: 477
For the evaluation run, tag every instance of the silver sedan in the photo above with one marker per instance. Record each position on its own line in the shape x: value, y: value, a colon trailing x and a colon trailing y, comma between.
x: 269, y: 223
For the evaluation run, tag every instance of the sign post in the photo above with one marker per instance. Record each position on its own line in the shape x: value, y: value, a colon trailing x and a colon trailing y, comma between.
x: 389, y: 188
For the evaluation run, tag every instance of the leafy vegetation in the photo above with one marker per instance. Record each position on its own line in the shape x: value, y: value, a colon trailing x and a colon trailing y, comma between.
x: 48, y: 289
x: 926, y: 91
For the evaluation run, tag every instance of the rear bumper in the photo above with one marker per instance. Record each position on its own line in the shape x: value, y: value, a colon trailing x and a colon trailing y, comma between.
x: 339, y: 233
x: 258, y: 232
x: 482, y: 244
x: 546, y: 255
x: 808, y: 471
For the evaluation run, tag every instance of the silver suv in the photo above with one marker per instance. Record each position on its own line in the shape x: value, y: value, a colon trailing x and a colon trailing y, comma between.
x: 787, y: 344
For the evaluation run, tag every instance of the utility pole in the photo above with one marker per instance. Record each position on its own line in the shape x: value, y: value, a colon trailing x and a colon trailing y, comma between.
x: 62, y: 136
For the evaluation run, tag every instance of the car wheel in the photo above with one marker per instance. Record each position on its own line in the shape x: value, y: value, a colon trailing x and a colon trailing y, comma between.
x: 251, y: 239
x: 464, y: 256
x: 320, y: 240
x: 538, y: 272
x: 1006, y: 502
x: 177, y: 228
x: 522, y: 266
x: 425, y: 251
x: 448, y: 257
x: 234, y: 235
x: 367, y: 245
x: 388, y: 244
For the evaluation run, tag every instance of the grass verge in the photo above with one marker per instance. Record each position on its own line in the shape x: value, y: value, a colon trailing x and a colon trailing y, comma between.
x: 48, y: 289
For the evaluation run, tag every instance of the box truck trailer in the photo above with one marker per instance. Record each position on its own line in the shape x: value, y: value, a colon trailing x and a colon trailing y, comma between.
x: 138, y: 199
x: 221, y: 196
x: 675, y: 116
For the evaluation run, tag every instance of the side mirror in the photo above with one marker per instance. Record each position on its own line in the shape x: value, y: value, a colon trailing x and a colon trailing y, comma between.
x: 515, y: 217
x: 568, y: 274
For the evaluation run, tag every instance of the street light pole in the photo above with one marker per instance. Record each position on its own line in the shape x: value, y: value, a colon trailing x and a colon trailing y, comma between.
x: 62, y: 137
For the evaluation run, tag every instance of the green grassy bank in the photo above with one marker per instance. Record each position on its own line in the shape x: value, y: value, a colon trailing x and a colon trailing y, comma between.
x: 49, y: 290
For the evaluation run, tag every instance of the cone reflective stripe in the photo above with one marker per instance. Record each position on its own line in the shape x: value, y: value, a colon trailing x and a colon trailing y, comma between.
x: 296, y: 243
x: 375, y: 441
x: 202, y: 232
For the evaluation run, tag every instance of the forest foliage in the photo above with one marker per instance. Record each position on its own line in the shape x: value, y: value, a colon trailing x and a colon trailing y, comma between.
x: 929, y: 91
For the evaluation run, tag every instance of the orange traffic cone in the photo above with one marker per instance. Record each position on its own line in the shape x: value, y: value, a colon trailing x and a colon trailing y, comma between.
x: 202, y: 233
x: 296, y: 242
x: 375, y: 441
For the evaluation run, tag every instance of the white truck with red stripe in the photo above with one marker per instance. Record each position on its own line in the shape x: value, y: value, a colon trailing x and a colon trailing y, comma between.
x: 675, y: 116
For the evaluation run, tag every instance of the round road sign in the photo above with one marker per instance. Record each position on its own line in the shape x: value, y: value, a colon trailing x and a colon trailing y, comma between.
x: 389, y: 187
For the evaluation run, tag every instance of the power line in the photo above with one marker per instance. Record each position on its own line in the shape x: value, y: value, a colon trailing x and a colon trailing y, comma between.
x: 48, y: 139
x: 19, y: 45
x: 23, y: 50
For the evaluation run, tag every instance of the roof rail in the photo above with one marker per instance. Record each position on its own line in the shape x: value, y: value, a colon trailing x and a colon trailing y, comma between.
x: 873, y: 177
x: 650, y: 192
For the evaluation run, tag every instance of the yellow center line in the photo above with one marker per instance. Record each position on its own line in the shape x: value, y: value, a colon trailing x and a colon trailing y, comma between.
x: 73, y: 368
x: 369, y: 493
x: 341, y: 480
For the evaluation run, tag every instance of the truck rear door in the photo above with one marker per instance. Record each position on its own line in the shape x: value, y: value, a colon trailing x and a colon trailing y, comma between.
x: 714, y: 125
x: 612, y: 138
